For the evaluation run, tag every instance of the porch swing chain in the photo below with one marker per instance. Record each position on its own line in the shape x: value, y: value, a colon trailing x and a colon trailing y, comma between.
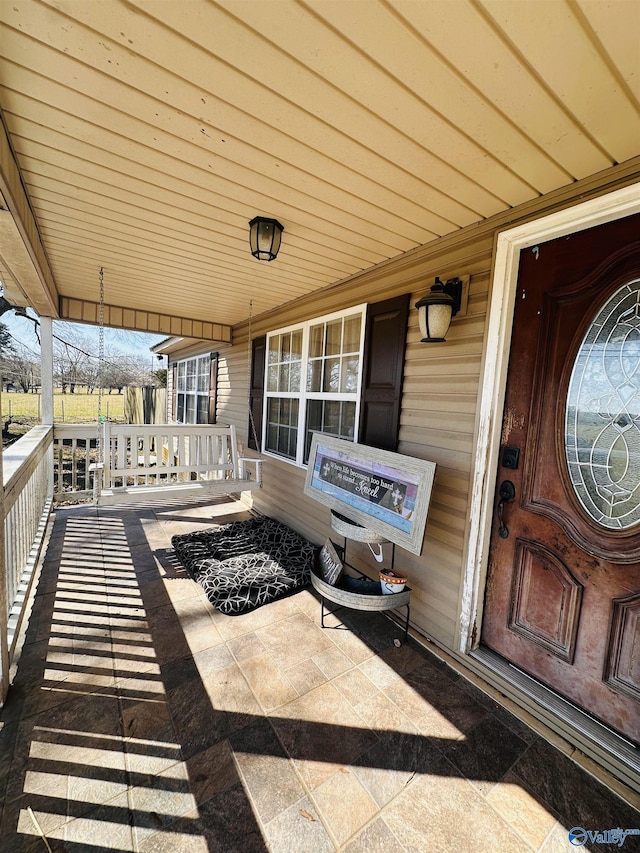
x: 100, y: 346
x: 249, y: 366
x: 99, y: 472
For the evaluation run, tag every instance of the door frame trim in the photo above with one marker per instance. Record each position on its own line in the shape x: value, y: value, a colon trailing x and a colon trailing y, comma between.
x: 493, y: 374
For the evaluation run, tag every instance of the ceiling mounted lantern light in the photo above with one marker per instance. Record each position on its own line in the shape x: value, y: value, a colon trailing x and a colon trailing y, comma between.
x: 264, y: 237
x: 436, y: 310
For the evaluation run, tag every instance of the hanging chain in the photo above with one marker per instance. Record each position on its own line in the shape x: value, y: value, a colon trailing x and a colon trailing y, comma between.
x: 99, y: 471
x: 249, y: 366
x: 100, y: 345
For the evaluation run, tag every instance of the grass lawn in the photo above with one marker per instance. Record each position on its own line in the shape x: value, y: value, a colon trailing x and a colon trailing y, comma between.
x: 67, y: 408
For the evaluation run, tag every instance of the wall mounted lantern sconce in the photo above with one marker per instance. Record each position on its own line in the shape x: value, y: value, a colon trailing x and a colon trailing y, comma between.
x: 264, y: 237
x: 437, y: 308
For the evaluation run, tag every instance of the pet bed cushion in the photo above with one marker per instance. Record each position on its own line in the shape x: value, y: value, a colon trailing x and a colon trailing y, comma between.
x: 245, y: 564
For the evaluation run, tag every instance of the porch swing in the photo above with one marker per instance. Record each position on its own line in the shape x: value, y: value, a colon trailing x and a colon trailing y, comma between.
x: 158, y: 462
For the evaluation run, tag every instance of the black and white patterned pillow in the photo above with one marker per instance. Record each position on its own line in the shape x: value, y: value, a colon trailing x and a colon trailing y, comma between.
x: 245, y: 564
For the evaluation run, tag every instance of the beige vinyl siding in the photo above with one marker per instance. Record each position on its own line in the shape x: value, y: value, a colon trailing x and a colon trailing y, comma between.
x: 282, y: 497
x: 439, y: 402
x: 437, y: 422
x: 233, y: 391
x: 228, y: 403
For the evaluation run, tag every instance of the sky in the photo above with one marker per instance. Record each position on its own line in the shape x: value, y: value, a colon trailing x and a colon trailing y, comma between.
x: 125, y: 342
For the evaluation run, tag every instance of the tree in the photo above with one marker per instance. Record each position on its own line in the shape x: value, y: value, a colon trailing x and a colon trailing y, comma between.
x: 118, y: 371
x: 6, y: 351
x: 71, y: 357
x: 21, y: 367
x: 160, y: 377
x: 6, y: 340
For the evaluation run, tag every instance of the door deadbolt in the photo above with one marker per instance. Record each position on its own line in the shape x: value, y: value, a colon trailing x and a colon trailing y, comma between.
x: 510, y: 457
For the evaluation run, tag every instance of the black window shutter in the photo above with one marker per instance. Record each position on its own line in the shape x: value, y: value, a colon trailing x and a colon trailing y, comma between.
x: 384, y: 350
x: 213, y: 388
x: 256, y: 394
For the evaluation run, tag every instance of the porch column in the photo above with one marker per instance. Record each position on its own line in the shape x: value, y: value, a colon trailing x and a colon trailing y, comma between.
x: 46, y: 388
x: 4, y: 638
x: 46, y: 368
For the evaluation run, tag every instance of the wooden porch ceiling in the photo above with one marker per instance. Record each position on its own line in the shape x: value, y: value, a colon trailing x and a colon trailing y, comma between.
x: 148, y: 133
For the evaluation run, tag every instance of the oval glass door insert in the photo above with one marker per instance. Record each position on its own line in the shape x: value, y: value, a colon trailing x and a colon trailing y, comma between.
x: 602, y: 422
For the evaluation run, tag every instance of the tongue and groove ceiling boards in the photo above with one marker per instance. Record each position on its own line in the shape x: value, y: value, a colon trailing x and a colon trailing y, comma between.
x: 148, y: 133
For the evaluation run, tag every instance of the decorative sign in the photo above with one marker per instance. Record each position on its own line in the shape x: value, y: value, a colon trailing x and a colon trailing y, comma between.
x: 386, y: 492
x: 383, y: 489
x: 330, y: 565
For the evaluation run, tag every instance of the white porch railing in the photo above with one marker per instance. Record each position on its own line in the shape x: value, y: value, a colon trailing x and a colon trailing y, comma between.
x: 74, y: 455
x: 60, y: 463
x: 25, y: 508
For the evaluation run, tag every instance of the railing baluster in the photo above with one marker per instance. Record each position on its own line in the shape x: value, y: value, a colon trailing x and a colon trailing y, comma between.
x: 26, y: 507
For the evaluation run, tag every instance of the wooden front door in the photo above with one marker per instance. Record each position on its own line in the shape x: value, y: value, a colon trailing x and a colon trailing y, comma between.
x: 563, y: 591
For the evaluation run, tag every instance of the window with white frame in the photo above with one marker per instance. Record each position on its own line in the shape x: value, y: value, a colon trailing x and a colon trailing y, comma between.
x: 313, y: 376
x: 193, y: 380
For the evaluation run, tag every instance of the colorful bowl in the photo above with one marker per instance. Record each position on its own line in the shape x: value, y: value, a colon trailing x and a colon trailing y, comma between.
x: 392, y: 582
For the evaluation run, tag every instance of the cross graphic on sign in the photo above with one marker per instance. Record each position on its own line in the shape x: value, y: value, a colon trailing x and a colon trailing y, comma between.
x: 396, y: 494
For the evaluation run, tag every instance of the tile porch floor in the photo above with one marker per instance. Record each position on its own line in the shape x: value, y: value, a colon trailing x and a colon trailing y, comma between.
x: 140, y: 719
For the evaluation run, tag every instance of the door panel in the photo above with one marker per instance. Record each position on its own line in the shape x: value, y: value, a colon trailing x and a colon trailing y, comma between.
x: 546, y: 600
x: 563, y: 590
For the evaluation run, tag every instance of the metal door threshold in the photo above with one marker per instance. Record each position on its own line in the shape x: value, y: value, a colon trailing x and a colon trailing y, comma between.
x: 615, y: 753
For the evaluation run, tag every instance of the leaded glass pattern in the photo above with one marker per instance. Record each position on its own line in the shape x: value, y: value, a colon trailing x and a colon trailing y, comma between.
x: 602, y: 424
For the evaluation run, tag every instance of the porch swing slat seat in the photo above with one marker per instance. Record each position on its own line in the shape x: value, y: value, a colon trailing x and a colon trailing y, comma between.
x: 161, y: 461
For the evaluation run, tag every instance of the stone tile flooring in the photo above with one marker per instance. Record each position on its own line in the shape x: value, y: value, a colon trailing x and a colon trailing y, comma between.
x: 140, y: 719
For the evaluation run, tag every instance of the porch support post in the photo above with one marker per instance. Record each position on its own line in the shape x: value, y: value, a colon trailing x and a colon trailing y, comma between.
x: 46, y: 367
x: 4, y: 616
x: 46, y: 387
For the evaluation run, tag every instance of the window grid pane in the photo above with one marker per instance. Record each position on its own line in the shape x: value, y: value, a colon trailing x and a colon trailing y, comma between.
x: 190, y: 416
x: 204, y: 372
x: 284, y: 362
x: 325, y: 371
x: 349, y: 374
x: 331, y: 378
x: 282, y: 426
x: 191, y: 375
x: 351, y: 338
x: 314, y: 375
x: 331, y: 381
x: 334, y: 338
x: 331, y: 417
x: 203, y: 409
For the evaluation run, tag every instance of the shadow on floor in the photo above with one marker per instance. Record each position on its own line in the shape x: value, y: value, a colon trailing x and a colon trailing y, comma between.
x: 142, y: 720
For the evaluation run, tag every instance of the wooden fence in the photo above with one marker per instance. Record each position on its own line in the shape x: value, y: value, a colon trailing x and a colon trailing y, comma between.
x: 145, y: 405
